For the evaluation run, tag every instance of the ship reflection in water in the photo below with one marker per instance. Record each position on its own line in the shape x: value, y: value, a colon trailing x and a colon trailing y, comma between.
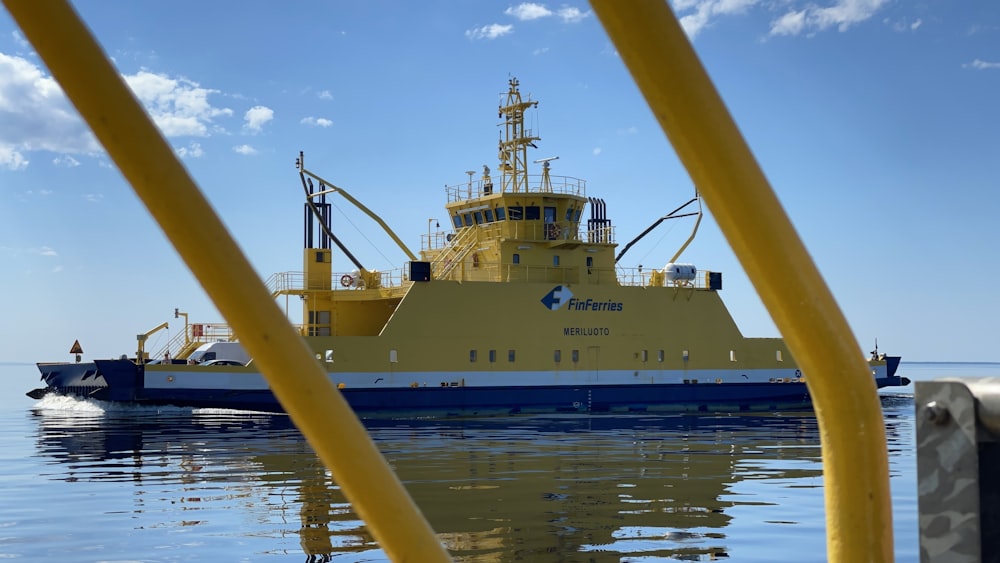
x: 539, y: 488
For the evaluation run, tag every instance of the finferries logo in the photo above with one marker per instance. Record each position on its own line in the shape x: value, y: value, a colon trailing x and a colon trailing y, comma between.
x: 557, y: 297
x: 561, y: 295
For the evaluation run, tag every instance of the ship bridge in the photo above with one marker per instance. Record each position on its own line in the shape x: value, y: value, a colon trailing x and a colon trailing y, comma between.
x: 522, y: 226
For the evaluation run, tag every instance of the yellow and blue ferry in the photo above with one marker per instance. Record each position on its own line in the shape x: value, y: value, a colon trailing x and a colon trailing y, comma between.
x: 519, y: 307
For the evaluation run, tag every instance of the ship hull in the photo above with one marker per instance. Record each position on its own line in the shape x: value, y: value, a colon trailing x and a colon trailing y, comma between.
x: 123, y: 381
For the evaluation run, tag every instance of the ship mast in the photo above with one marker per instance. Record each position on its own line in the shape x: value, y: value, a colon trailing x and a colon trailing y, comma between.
x: 514, y: 145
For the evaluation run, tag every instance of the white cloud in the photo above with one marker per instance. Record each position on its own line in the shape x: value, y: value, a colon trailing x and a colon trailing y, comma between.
x: 245, y: 150
x: 796, y: 16
x: 597, y: 151
x: 903, y: 24
x: 57, y: 269
x: 47, y: 251
x: 178, y: 106
x: 981, y: 65
x: 66, y: 161
x: 572, y: 15
x: 193, y: 150
x: 316, y: 121
x: 531, y: 11
x: 256, y: 117
x: 541, y: 51
x: 325, y: 95
x: 528, y: 11
x: 20, y: 40
x: 94, y: 198
x: 704, y: 11
x: 36, y: 115
x: 791, y: 23
x: 11, y: 159
x: 841, y: 14
x: 491, y: 31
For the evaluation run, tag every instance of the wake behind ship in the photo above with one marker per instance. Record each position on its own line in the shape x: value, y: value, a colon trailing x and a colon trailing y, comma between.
x: 519, y: 307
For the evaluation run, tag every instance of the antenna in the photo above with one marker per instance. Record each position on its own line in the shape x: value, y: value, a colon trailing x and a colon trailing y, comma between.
x: 541, y: 160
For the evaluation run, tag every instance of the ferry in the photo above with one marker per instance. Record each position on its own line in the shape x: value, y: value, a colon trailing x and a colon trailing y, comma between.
x: 519, y: 306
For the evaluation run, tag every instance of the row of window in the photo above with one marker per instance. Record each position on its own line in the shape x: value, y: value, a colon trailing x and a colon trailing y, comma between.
x: 575, y: 355
x: 556, y: 356
x: 512, y: 213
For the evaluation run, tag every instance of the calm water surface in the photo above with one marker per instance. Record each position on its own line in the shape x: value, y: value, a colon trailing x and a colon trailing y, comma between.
x: 86, y: 481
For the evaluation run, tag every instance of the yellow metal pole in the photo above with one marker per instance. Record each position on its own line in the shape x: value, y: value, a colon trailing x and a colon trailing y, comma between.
x: 690, y: 111
x: 299, y: 382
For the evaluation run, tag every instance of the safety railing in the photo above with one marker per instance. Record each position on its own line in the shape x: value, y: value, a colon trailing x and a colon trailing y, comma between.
x: 680, y: 94
x: 666, y: 69
x: 147, y: 161
x: 285, y: 283
x: 958, y: 459
x: 556, y: 184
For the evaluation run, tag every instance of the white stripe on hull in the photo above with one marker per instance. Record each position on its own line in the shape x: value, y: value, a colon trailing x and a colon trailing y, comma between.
x: 245, y: 381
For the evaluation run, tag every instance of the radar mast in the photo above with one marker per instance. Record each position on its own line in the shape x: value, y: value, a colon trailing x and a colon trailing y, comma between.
x: 514, y: 145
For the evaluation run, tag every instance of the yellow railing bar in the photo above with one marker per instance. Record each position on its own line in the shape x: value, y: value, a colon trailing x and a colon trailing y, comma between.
x: 299, y: 382
x: 690, y: 111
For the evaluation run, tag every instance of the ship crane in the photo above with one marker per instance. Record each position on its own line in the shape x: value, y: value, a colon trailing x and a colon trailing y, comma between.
x: 322, y: 220
x: 672, y: 215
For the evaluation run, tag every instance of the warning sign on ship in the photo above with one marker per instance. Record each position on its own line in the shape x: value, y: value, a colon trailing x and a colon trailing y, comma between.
x: 76, y: 349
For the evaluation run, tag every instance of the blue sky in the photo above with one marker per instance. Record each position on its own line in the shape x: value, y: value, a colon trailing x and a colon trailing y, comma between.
x: 875, y: 120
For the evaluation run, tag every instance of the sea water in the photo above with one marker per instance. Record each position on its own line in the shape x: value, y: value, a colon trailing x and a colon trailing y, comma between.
x: 86, y: 481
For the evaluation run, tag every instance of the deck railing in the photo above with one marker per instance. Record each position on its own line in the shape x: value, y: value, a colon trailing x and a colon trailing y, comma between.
x: 666, y: 69
x: 477, y: 188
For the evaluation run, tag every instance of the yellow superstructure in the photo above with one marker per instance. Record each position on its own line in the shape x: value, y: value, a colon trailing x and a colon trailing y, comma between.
x: 523, y: 295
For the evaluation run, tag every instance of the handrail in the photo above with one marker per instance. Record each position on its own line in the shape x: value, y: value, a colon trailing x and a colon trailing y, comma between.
x: 172, y: 198
x: 666, y: 69
x: 453, y: 254
x: 664, y: 65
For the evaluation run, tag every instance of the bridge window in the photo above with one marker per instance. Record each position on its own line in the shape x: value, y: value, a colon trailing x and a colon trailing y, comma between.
x: 479, y: 217
x: 517, y: 258
x: 493, y: 356
x: 555, y: 260
x: 576, y: 216
x: 569, y: 213
x: 472, y: 356
x: 467, y: 218
x: 659, y: 356
x: 501, y: 214
x: 516, y: 212
x: 557, y: 356
x: 550, y: 214
x: 575, y: 356
x: 489, y: 215
x: 510, y: 356
x: 532, y: 213
x: 457, y: 221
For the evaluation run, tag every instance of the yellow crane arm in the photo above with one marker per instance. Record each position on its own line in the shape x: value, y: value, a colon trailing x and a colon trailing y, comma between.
x: 338, y: 190
x: 140, y: 354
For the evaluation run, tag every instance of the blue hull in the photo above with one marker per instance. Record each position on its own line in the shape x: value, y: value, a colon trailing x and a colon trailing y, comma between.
x: 122, y: 381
